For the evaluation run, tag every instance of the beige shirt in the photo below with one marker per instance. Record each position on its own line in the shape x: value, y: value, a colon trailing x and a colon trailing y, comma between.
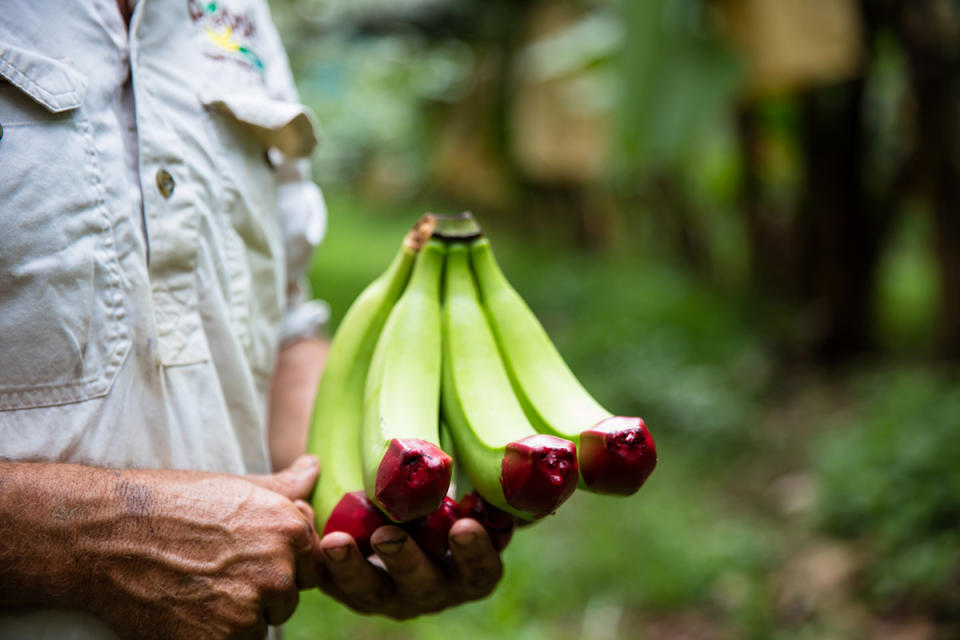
x: 156, y: 216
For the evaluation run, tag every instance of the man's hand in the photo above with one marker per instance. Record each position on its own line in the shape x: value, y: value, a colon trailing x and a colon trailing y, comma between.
x: 159, y: 553
x: 400, y: 581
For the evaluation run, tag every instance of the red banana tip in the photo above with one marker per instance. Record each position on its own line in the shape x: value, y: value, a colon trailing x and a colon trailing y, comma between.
x: 431, y: 532
x: 412, y: 479
x: 617, y: 455
x: 356, y: 515
x: 539, y: 473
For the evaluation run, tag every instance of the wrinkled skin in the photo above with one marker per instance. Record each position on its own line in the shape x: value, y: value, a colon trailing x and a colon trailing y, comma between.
x: 218, y: 556
x: 158, y: 553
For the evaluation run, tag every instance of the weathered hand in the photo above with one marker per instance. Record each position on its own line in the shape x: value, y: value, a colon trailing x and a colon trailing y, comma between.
x: 199, y: 555
x: 400, y: 582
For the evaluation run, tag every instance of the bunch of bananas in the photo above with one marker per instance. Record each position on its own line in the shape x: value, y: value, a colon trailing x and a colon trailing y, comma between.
x: 439, y: 359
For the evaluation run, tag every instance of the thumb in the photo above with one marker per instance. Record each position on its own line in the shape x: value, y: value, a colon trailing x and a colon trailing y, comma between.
x: 295, y: 482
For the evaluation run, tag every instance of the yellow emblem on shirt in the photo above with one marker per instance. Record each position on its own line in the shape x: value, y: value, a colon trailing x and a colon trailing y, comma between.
x: 228, y: 31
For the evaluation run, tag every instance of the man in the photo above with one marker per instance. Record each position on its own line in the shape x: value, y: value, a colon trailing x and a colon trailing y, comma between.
x: 156, y: 216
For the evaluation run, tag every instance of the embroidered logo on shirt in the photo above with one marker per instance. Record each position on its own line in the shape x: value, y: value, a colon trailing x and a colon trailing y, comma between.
x: 228, y: 31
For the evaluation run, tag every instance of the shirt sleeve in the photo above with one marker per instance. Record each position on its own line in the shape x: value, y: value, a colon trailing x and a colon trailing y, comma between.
x: 300, y: 204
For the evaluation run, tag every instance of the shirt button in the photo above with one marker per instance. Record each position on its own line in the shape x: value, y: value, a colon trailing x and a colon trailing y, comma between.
x: 165, y: 183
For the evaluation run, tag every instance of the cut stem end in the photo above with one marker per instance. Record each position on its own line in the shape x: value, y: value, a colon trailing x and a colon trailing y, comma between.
x: 539, y: 473
x: 412, y: 479
x: 356, y: 515
x: 617, y: 456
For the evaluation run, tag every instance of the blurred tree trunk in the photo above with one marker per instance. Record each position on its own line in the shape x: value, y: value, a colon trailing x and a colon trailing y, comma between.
x: 675, y: 220
x: 839, y: 237
x: 929, y: 31
x: 824, y: 255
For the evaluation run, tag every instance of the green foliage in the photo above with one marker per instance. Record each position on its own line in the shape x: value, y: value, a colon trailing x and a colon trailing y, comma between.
x: 369, y: 91
x: 369, y: 98
x: 907, y: 288
x: 678, y: 82
x: 359, y: 244
x: 892, y: 480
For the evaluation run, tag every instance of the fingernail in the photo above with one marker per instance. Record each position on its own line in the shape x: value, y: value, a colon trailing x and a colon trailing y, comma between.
x: 337, y: 554
x: 464, y: 539
x: 304, y: 463
x: 390, y: 547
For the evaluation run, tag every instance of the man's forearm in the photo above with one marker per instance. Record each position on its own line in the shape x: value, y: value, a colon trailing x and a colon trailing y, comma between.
x: 156, y: 552
x: 46, y: 511
x: 292, y: 391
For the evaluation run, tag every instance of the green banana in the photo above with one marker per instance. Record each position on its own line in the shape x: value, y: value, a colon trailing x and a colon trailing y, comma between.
x: 405, y: 471
x: 510, y: 465
x: 338, y: 499
x: 459, y: 482
x: 616, y: 454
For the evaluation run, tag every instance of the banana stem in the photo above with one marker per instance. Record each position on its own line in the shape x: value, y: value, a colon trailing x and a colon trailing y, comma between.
x: 420, y: 232
x: 461, y: 226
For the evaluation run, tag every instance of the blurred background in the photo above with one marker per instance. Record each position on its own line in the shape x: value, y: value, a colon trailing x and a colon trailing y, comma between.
x: 739, y: 219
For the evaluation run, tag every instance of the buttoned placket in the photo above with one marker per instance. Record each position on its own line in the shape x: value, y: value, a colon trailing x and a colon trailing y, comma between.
x: 126, y: 31
x: 133, y: 29
x: 171, y: 221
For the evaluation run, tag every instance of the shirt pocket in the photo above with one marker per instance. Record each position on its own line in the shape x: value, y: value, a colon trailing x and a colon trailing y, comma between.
x: 254, y: 134
x: 62, y: 337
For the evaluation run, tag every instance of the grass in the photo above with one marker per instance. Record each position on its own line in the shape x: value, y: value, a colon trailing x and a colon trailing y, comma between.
x: 890, y: 477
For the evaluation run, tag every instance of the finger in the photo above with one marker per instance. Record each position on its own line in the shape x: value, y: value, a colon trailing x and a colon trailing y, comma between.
x: 281, y: 608
x: 414, y: 576
x: 296, y: 481
x: 306, y: 510
x: 362, y: 585
x: 479, y: 564
x: 258, y: 631
x: 309, y: 560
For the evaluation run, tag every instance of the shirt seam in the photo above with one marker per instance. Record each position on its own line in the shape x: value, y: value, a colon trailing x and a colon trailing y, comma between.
x: 49, y: 96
